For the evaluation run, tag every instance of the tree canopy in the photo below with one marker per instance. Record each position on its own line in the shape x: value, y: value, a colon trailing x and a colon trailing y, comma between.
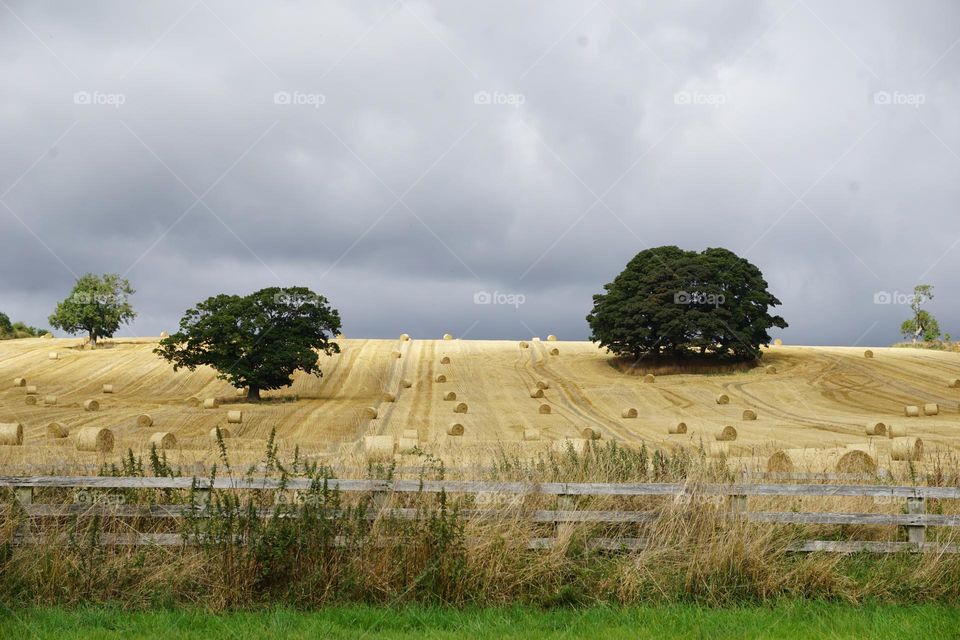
x: 922, y: 325
x: 10, y: 330
x: 98, y: 305
x: 256, y: 341
x: 672, y: 302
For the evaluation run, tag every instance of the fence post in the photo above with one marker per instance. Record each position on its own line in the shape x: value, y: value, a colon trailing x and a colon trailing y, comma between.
x: 24, y: 495
x: 738, y: 504
x: 564, y: 503
x: 916, y: 533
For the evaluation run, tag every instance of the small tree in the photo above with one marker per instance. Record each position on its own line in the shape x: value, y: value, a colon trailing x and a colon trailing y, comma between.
x: 98, y: 305
x: 922, y: 324
x: 257, y: 341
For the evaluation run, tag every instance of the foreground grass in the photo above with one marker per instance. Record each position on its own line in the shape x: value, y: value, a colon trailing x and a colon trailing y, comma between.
x: 801, y: 620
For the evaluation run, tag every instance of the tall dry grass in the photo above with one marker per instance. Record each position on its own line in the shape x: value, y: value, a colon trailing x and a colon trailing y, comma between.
x: 320, y: 546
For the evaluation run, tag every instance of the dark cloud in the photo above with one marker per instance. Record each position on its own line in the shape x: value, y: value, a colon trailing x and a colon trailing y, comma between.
x: 402, y: 157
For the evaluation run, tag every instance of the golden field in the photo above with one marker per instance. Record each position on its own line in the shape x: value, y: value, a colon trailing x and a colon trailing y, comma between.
x: 818, y: 398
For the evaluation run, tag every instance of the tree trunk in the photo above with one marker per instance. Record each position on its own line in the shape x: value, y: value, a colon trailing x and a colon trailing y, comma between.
x: 93, y: 339
x: 253, y: 393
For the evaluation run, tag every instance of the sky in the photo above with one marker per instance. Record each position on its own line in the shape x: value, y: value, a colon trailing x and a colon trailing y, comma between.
x: 480, y: 169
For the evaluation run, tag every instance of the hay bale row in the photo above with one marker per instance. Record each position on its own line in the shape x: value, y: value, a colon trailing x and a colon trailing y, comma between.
x: 821, y: 460
x: 95, y: 439
x: 11, y: 434
x: 914, y: 411
x: 727, y: 434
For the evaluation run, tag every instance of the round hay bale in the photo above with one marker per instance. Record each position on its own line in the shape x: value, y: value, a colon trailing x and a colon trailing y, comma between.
x: 544, y: 409
x: 460, y: 408
x: 851, y: 459
x: 896, y: 431
x: 931, y: 409
x: 163, y: 440
x: 911, y: 411
x: 379, y: 448
x: 94, y: 439
x: 628, y: 413
x: 19, y: 382
x: 876, y: 429
x: 718, y: 450
x: 407, y: 445
x: 91, y: 405
x: 680, y: 427
x: 192, y: 402
x: 224, y: 433
x: 57, y: 430
x: 591, y: 433
x: 780, y: 462
x: 404, y: 337
x: 649, y: 378
x: 524, y: 345
x: 954, y: 383
x: 11, y: 434
x: 455, y: 429
x: 770, y: 368
x: 410, y: 433
x: 164, y: 334
x: 543, y: 384
x: 531, y: 435
x: 551, y: 338
x: 727, y: 434
x: 389, y: 397
x: 211, y: 403
x: 723, y: 399
x: 906, y: 448
x: 536, y: 393
x: 406, y: 384
x: 535, y: 339
x: 554, y: 351
x: 53, y: 355
x: 445, y: 360
x: 580, y: 446
x: 441, y: 378
x: 107, y: 388
x: 371, y: 413
x: 31, y: 389
x: 31, y: 400
x: 778, y: 342
x: 47, y: 336
x: 855, y: 461
x: 144, y: 420
x: 234, y: 417
x: 241, y: 393
x: 447, y: 336
x: 749, y: 414
x: 868, y: 353
x: 396, y: 354
x: 50, y: 400
x: 450, y: 395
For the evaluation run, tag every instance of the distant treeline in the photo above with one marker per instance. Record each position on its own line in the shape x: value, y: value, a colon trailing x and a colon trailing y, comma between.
x: 10, y: 330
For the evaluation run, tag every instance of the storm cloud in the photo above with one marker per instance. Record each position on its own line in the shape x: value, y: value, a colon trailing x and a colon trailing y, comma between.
x: 403, y: 158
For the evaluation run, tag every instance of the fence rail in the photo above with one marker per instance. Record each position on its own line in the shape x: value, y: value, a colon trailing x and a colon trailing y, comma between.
x: 915, y: 521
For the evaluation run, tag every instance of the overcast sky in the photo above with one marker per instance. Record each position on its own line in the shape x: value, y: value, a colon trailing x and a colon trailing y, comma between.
x: 400, y: 157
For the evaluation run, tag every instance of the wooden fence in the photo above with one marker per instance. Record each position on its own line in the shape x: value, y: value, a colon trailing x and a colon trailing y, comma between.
x: 735, y: 497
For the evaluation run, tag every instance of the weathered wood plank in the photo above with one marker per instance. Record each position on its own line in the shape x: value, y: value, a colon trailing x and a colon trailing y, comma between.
x: 854, y: 546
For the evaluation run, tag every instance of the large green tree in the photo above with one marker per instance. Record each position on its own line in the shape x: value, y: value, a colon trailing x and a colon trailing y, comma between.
x: 922, y: 324
x: 671, y: 302
x: 98, y: 305
x: 256, y: 341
